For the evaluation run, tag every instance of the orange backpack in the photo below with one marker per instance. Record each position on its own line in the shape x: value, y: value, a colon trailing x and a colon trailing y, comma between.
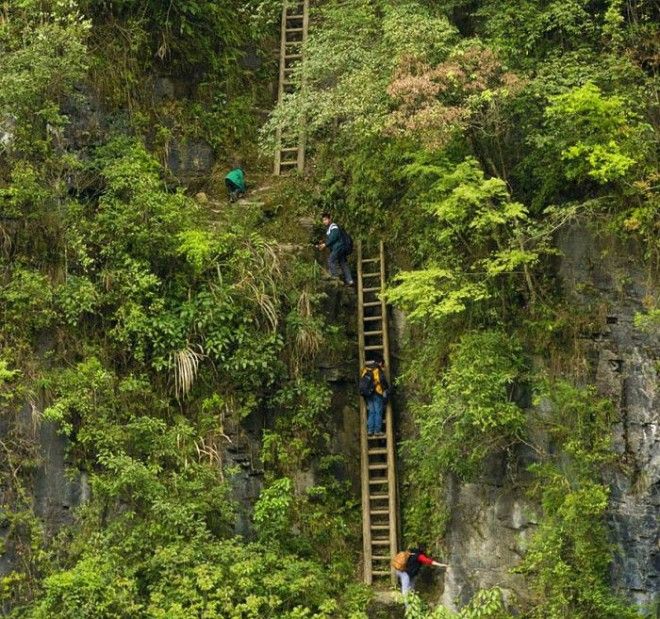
x: 400, y: 560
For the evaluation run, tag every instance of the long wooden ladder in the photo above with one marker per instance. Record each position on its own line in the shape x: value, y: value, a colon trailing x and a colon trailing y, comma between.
x: 290, y: 147
x: 377, y: 453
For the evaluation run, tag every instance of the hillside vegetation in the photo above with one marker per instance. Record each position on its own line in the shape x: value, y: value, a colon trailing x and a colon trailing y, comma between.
x: 145, y: 324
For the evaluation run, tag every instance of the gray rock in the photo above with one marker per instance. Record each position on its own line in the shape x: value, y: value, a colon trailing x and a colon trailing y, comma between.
x: 601, y: 270
x: 190, y: 160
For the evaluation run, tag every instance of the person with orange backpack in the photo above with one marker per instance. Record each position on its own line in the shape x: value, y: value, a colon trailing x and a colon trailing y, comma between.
x: 373, y: 387
x: 407, y: 564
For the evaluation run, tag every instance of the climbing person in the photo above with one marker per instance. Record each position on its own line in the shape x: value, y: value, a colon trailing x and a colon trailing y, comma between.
x: 407, y: 564
x: 374, y: 388
x: 235, y: 182
x: 340, y: 245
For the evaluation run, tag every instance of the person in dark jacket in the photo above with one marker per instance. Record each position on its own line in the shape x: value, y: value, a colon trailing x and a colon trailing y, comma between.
x: 235, y: 182
x: 416, y: 560
x: 334, y: 241
x: 376, y: 401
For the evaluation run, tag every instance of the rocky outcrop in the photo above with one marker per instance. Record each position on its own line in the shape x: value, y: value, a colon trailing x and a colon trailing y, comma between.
x: 492, y: 520
x: 487, y: 535
x: 598, y: 270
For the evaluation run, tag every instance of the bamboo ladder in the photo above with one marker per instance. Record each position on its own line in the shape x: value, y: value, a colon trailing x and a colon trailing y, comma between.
x: 290, y: 145
x: 377, y: 453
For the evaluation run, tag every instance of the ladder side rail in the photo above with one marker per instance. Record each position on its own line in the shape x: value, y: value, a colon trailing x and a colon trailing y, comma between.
x: 280, y: 92
x: 302, y: 138
x: 389, y: 417
x: 364, y: 447
x: 280, y: 86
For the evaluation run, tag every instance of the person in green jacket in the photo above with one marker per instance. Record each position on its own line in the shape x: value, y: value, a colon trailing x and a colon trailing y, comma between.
x: 235, y: 181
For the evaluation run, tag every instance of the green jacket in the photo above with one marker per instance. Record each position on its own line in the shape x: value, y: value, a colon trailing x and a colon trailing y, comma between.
x: 237, y: 177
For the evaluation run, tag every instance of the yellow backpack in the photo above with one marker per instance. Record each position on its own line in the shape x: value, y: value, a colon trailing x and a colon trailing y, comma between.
x: 400, y: 560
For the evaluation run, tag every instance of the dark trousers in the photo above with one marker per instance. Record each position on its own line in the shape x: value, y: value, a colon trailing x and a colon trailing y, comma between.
x: 336, y: 261
x: 233, y: 190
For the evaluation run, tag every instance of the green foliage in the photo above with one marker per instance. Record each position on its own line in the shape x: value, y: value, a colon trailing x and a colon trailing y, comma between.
x: 595, y: 134
x: 200, y: 578
x: 6, y: 374
x: 272, y: 511
x: 648, y: 322
x: 471, y: 412
x: 300, y: 409
x: 42, y: 55
x: 532, y: 30
x: 486, y: 604
x: 27, y: 301
x: 479, y: 235
x: 175, y: 327
x: 349, y: 63
x: 192, y: 29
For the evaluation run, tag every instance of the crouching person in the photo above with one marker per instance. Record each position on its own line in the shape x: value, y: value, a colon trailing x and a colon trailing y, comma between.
x: 407, y: 564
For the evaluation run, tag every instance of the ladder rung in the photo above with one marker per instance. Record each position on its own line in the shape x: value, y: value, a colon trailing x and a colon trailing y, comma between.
x: 381, y: 480
x: 377, y: 288
x: 380, y: 573
x: 380, y: 527
x: 289, y: 162
x: 379, y: 512
x: 366, y: 260
x: 289, y: 150
x: 381, y: 557
x: 380, y: 542
x: 372, y: 318
x: 374, y: 274
x: 377, y: 451
x: 377, y: 467
x: 371, y: 304
x: 294, y: 30
x: 378, y: 497
x: 373, y: 348
x: 372, y: 333
x: 289, y: 57
x: 377, y: 437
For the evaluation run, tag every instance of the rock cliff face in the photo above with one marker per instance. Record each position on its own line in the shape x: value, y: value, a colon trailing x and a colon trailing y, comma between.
x: 598, y: 270
x: 492, y: 520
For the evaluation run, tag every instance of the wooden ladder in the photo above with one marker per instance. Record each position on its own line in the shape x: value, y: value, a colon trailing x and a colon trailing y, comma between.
x: 290, y: 144
x: 378, y: 457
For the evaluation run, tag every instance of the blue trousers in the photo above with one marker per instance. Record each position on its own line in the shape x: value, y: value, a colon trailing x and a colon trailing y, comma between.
x: 375, y: 406
x: 337, y: 259
x: 407, y: 585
